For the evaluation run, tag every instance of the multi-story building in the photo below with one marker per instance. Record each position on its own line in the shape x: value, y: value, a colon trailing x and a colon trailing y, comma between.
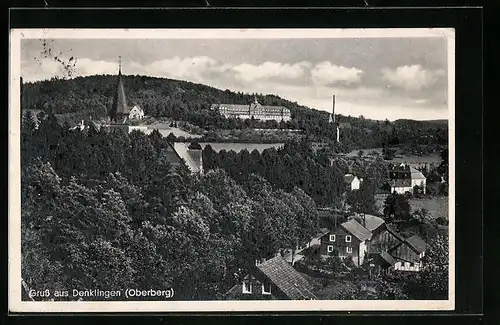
x: 254, y: 111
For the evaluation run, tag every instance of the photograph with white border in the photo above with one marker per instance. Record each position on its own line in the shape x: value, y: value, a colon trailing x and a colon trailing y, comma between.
x: 231, y: 170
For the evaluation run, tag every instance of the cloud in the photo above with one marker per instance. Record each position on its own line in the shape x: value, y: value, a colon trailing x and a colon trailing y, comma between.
x: 40, y: 69
x: 412, y: 77
x: 269, y: 70
x: 326, y: 73
x: 192, y: 68
x: 303, y: 82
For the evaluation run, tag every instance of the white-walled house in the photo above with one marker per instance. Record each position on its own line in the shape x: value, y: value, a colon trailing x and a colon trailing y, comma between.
x: 403, y: 178
x: 136, y: 113
x: 352, y: 181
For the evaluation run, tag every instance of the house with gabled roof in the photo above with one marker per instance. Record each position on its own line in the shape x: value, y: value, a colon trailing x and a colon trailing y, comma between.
x: 348, y: 241
x: 369, y: 238
x: 352, y: 182
x: 272, y: 279
x: 409, y: 253
x: 403, y: 178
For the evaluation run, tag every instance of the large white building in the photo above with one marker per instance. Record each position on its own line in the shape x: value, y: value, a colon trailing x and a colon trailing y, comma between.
x: 254, y: 110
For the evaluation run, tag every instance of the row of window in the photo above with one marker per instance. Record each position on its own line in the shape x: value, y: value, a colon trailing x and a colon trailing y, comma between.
x: 348, y: 238
x: 266, y: 287
x: 330, y: 249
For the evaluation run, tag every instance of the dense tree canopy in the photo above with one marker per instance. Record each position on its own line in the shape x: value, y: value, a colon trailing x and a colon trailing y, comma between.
x: 94, y: 201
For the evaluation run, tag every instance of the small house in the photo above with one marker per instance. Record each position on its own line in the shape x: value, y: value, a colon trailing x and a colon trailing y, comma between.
x: 352, y: 182
x: 272, y: 279
x: 136, y: 113
x: 348, y: 240
x: 403, y: 178
x: 409, y: 254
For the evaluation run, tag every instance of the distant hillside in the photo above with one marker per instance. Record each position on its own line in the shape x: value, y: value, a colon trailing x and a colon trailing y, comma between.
x: 183, y: 100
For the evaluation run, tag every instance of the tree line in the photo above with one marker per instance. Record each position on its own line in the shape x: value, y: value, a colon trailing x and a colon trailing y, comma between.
x: 106, y: 210
x: 296, y: 164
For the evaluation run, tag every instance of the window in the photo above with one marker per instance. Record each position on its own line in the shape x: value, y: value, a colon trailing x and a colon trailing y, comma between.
x: 266, y: 288
x: 329, y: 248
x: 348, y: 238
x: 349, y: 249
x: 332, y: 237
x: 247, y: 287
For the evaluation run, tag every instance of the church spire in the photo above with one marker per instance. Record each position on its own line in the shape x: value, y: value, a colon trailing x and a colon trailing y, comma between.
x: 119, y: 109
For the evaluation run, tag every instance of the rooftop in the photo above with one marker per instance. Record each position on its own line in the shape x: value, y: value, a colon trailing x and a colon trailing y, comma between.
x: 348, y: 178
x: 287, y: 279
x: 191, y: 157
x: 415, y: 174
x: 371, y: 222
x: 357, y: 230
x: 416, y: 243
x: 387, y: 258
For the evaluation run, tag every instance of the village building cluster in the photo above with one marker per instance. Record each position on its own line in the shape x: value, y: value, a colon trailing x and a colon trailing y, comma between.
x: 368, y: 239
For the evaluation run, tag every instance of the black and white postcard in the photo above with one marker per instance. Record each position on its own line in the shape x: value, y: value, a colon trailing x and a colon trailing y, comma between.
x: 231, y: 170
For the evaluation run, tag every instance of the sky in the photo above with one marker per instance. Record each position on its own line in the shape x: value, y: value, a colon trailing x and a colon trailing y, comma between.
x: 379, y: 78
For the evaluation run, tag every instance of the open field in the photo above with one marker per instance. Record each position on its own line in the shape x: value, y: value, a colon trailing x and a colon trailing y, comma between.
x: 165, y: 130
x: 401, y: 158
x: 437, y: 207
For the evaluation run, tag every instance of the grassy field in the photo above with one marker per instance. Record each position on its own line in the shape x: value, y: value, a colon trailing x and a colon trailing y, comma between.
x: 402, y: 158
x: 165, y: 130
x: 437, y: 207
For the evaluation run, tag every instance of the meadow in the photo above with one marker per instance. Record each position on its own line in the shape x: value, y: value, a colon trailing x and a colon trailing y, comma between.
x: 437, y: 206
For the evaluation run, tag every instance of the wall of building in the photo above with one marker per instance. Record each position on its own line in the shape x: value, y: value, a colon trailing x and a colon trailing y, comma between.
x: 355, y: 184
x: 340, y: 245
x: 401, y: 190
x: 407, y: 266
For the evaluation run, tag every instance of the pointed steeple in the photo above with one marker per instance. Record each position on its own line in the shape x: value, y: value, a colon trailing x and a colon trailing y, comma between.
x: 119, y: 109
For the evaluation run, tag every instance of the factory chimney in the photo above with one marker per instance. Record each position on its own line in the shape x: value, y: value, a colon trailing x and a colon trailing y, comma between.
x: 333, y: 109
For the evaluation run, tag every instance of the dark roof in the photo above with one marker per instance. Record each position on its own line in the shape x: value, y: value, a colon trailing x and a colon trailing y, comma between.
x: 322, y: 232
x: 287, y: 279
x: 394, y: 232
x: 119, y: 106
x: 387, y: 258
x: 348, y: 178
x: 416, y: 243
x: 357, y: 230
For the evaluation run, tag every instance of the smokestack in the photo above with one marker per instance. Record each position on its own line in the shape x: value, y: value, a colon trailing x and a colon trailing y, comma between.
x: 333, y: 109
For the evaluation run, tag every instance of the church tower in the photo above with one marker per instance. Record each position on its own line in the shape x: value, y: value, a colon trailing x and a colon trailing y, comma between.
x: 119, y: 110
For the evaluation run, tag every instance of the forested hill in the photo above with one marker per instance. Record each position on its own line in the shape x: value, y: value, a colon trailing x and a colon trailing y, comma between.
x: 157, y: 96
x: 183, y: 100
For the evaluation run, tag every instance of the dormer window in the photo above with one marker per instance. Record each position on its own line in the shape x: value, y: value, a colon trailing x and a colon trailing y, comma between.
x: 332, y: 237
x: 348, y: 238
x: 247, y: 287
